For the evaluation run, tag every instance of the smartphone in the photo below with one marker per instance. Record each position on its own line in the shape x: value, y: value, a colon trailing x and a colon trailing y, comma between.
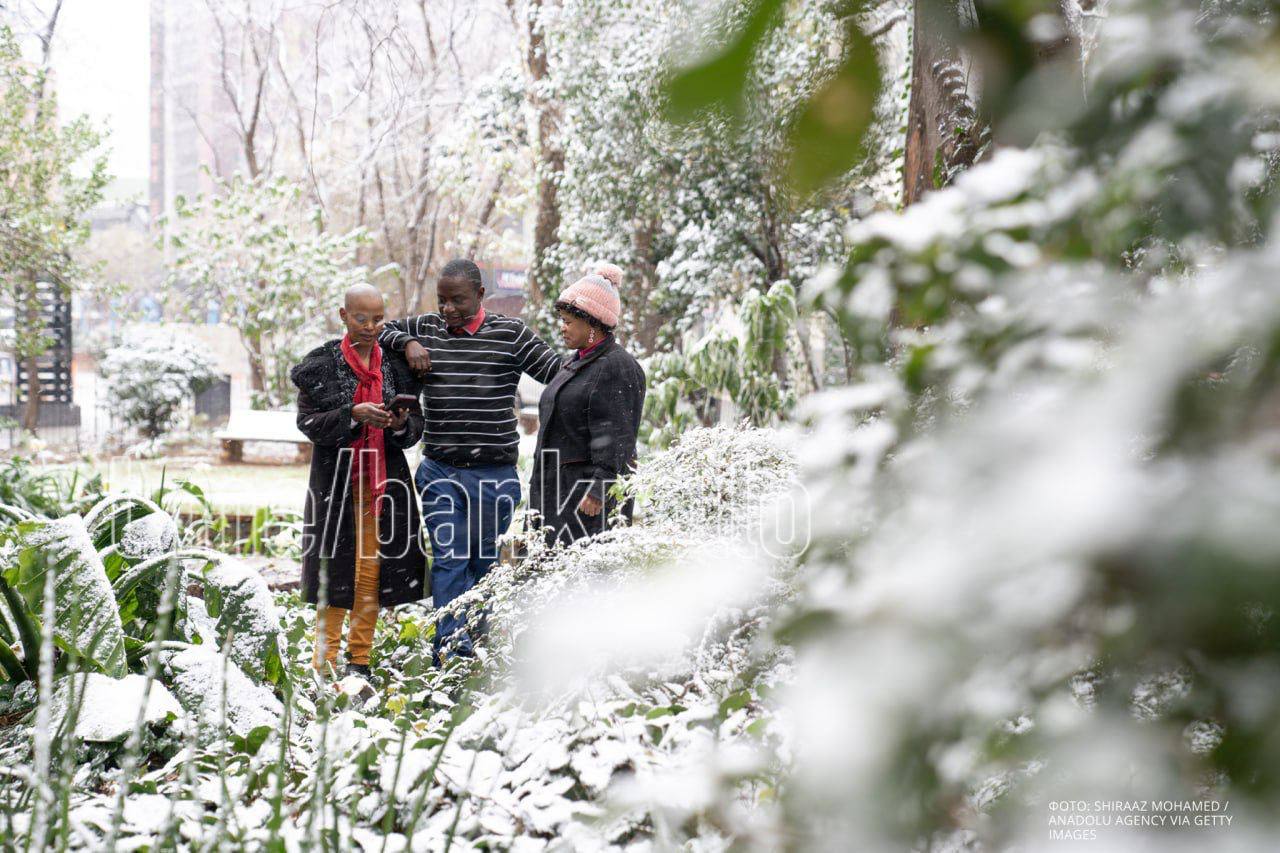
x: 404, y: 402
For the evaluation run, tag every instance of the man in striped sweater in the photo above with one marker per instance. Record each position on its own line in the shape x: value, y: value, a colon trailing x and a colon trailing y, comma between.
x: 470, y: 363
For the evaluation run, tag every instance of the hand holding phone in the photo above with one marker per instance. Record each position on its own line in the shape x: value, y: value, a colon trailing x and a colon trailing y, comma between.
x: 404, y: 403
x: 371, y: 414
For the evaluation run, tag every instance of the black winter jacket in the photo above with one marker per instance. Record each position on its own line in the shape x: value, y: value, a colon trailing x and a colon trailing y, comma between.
x: 590, y: 415
x: 326, y: 391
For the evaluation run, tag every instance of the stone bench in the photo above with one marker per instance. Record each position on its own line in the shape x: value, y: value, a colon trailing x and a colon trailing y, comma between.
x: 272, y: 427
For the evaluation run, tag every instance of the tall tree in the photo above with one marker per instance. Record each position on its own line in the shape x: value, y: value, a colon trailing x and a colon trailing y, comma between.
x: 698, y: 216
x: 948, y: 126
x: 944, y: 131
x: 45, y: 192
x: 252, y: 251
x: 548, y: 149
x: 369, y: 105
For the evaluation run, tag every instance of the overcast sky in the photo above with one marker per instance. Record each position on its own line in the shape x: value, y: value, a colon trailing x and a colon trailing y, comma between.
x: 102, y: 61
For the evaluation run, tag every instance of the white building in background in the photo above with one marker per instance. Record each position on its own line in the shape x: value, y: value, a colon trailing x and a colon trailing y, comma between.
x: 192, y: 136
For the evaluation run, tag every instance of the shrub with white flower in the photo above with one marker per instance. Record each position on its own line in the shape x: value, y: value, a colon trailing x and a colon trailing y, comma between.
x: 150, y: 379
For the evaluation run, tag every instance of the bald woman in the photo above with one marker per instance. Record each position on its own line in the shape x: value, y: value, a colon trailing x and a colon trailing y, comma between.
x: 358, y: 403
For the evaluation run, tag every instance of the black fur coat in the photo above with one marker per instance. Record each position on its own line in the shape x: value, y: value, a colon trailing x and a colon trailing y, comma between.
x: 326, y: 391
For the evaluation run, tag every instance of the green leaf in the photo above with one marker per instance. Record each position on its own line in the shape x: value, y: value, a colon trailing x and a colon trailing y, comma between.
x: 826, y: 139
x: 734, y: 702
x: 806, y: 626
x: 664, y: 711
x: 140, y: 591
x: 253, y: 741
x: 86, y: 621
x: 196, y: 492
x: 240, y: 600
x: 916, y: 369
x: 194, y: 675
x: 719, y: 84
x: 108, y: 518
x: 260, y: 519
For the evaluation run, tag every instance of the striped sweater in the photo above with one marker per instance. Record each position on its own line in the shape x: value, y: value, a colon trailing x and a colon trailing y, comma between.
x: 469, y: 394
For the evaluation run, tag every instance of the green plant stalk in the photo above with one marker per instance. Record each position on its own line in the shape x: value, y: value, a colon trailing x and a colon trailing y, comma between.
x: 225, y: 812
x: 159, y: 498
x: 28, y: 630
x: 324, y: 710
x: 457, y: 812
x: 420, y: 801
x: 277, y: 795
x: 388, y: 817
x: 13, y: 669
x: 188, y: 779
x: 165, y: 618
x: 66, y: 754
x: 6, y: 631
x: 37, y: 836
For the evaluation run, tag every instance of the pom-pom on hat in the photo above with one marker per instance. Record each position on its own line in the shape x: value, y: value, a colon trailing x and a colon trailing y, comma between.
x: 596, y: 294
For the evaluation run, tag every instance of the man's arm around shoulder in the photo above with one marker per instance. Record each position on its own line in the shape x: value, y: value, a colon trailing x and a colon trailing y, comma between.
x: 402, y: 336
x: 535, y: 357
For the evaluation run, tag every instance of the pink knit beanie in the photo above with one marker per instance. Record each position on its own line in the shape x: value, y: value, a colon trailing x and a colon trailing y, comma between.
x: 596, y: 294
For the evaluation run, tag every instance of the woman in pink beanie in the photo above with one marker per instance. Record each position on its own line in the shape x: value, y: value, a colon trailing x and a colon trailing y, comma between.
x: 589, y: 415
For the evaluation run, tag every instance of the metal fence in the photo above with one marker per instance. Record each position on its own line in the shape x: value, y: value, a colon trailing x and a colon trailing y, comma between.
x: 56, y: 423
x: 67, y: 425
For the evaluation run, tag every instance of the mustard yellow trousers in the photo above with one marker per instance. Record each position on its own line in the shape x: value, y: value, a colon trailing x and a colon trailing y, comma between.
x: 364, y: 612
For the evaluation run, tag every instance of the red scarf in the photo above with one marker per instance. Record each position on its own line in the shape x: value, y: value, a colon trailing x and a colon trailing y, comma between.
x: 370, y: 448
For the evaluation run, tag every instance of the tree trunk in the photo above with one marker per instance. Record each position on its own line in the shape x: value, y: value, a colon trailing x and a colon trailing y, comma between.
x: 486, y: 213
x: 803, y: 331
x: 944, y: 133
x: 646, y: 321
x: 775, y: 264
x: 549, y: 162
x: 31, y: 411
x: 34, y: 319
x: 257, y: 369
x: 27, y: 346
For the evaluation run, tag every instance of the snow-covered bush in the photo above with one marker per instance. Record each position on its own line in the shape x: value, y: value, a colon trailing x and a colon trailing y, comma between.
x: 105, y: 578
x: 1041, y: 514
x: 1029, y: 568
x: 151, y: 378
x: 656, y: 724
x: 642, y: 735
x: 698, y: 217
x: 741, y: 365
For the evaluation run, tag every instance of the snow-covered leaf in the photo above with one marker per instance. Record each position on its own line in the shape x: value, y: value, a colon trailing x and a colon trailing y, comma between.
x: 86, y: 622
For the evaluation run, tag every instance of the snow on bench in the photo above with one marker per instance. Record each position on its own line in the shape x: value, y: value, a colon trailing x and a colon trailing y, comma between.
x: 252, y: 425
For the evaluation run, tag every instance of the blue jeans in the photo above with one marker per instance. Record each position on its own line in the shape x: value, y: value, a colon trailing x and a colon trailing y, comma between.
x: 465, y: 510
